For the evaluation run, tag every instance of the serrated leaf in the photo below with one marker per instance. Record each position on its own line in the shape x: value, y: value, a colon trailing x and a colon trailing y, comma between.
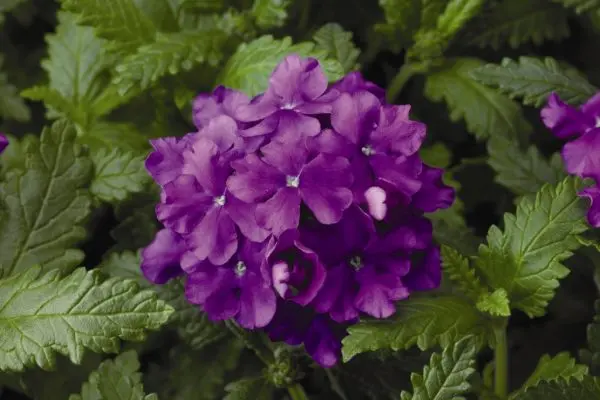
x: 11, y: 105
x: 249, y: 68
x: 561, y: 366
x: 76, y: 61
x: 116, y: 379
x: 56, y: 104
x: 516, y: 22
x: 338, y: 44
x: 78, y: 311
x: 588, y: 388
x: 45, y: 205
x: 486, y: 112
x: 446, y: 377
x: 522, y: 171
x: 495, y: 303
x: 403, y: 18
x: 580, y: 6
x: 202, y: 6
x: 533, y: 79
x: 591, y: 355
x: 198, y: 375
x: 192, y: 325
x: 457, y: 268
x: 119, y: 21
x: 270, y: 14
x: 114, y: 135
x: 456, y: 15
x: 249, y: 389
x: 420, y: 321
x: 170, y: 53
x: 117, y: 174
x: 525, y: 258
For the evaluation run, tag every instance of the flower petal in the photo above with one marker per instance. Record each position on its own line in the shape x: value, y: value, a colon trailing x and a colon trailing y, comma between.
x: 355, y: 116
x: 281, y: 212
x: 593, y: 194
x: 204, y: 281
x: 160, y: 259
x: 433, y: 194
x: 582, y: 155
x: 223, y: 303
x: 322, y: 344
x: 564, y: 120
x: 214, y: 238
x: 258, y: 302
x: 426, y: 274
x: 244, y: 216
x: 254, y: 179
x: 324, y: 187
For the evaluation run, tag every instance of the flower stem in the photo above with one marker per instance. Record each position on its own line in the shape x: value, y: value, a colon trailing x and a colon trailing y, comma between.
x: 297, y: 392
x: 253, y: 341
x: 501, y: 361
x: 395, y: 87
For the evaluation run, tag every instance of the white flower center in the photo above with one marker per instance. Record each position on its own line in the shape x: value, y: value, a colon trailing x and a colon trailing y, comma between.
x: 356, y: 263
x: 288, y: 106
x: 367, y: 150
x: 292, y: 181
x: 598, y: 122
x: 219, y: 201
x: 240, y: 268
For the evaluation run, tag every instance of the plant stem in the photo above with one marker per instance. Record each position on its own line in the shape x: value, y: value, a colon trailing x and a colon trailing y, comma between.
x: 395, y: 87
x: 253, y: 341
x: 501, y: 361
x: 297, y: 392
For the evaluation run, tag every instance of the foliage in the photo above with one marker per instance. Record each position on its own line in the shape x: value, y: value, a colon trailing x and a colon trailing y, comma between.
x: 86, y: 84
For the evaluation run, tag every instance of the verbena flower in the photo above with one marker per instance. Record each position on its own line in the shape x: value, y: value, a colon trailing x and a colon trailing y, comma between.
x: 582, y: 154
x: 3, y: 142
x: 297, y: 211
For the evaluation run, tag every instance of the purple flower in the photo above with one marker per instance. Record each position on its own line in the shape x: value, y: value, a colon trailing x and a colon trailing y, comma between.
x: 296, y: 271
x: 297, y: 92
x: 582, y: 154
x: 222, y: 101
x: 566, y: 121
x: 165, y: 162
x: 3, y: 142
x: 284, y: 177
x: 366, y: 268
x: 198, y: 206
x: 237, y: 289
x: 321, y: 336
x: 354, y: 82
x: 160, y: 260
x: 380, y: 140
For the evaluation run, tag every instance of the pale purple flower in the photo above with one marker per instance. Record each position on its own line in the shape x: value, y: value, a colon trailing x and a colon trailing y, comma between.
x: 582, y: 154
x: 354, y: 82
x: 222, y: 101
x: 161, y: 258
x: 285, y: 177
x: 297, y: 92
x: 237, y: 289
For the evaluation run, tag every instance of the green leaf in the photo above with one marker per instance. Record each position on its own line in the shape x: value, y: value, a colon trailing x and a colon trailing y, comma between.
x: 446, y: 377
x: 457, y: 268
x: 522, y: 171
x: 170, y: 53
x: 525, y: 258
x: 486, y: 112
x: 517, y: 22
x: 249, y: 68
x: 591, y: 355
x: 202, y: 6
x: 437, y: 155
x: 580, y: 6
x: 495, y: 303
x: 561, y: 366
x: 338, y: 44
x: 197, y: 375
x: 45, y: 205
x: 11, y: 105
x: 588, y: 388
x: 57, y: 105
x: 270, y: 14
x: 119, y: 21
x: 193, y: 326
x: 533, y: 79
x: 249, y: 389
x: 456, y: 15
x: 116, y: 379
x: 403, y: 18
x: 421, y: 321
x: 114, y: 135
x: 76, y: 61
x: 117, y: 174
x: 78, y: 311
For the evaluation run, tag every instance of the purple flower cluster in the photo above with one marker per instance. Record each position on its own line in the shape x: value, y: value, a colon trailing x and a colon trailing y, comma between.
x: 3, y: 142
x: 582, y: 154
x: 299, y: 209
